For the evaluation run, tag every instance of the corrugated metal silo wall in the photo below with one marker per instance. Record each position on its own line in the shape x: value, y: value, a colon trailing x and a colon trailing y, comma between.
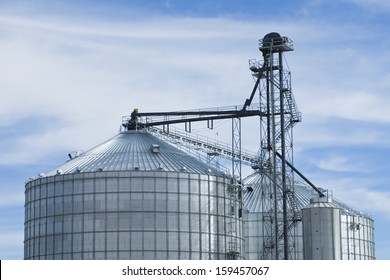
x: 321, y: 233
x: 357, y: 237
x: 130, y: 215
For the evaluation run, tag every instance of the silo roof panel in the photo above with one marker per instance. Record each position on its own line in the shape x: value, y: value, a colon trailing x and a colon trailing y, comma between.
x: 133, y: 150
x: 252, y: 200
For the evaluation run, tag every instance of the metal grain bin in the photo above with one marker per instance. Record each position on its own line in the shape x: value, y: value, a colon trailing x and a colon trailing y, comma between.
x: 132, y: 197
x: 356, y: 232
x: 321, y: 231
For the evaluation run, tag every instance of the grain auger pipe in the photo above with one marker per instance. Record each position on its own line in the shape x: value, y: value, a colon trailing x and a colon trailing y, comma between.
x: 320, y: 193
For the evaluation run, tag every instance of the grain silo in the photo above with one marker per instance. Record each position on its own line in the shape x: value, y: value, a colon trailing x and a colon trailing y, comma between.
x: 353, y: 231
x: 321, y: 230
x: 132, y: 197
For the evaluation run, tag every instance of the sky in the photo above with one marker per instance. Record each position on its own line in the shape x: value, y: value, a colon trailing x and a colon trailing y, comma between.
x: 69, y: 71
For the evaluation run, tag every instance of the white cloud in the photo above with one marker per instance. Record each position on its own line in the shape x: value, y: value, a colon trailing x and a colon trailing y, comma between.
x: 339, y: 163
x: 353, y: 105
x: 87, y: 75
x: 319, y: 133
x: 361, y: 193
x: 86, y: 80
x: 365, y: 199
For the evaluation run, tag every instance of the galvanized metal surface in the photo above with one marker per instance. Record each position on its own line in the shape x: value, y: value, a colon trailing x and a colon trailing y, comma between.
x: 321, y: 231
x: 132, y: 197
x: 302, y: 191
x: 357, y: 228
x: 357, y: 237
x: 133, y: 150
x: 131, y: 215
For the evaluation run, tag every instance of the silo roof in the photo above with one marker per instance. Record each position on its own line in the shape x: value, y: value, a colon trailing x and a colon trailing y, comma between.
x: 133, y: 150
x: 252, y: 200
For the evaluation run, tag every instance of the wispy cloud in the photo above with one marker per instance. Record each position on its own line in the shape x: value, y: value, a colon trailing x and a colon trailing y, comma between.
x: 87, y: 81
x: 362, y: 192
x: 340, y: 163
x: 335, y: 132
x: 358, y: 106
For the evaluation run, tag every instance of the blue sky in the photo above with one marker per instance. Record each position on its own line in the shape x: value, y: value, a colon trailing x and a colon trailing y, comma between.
x: 70, y: 69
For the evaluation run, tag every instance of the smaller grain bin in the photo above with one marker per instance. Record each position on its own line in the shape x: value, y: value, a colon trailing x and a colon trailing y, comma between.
x: 321, y: 230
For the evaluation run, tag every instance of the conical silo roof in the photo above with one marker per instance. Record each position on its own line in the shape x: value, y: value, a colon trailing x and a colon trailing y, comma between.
x: 252, y: 200
x: 133, y: 150
x: 253, y: 192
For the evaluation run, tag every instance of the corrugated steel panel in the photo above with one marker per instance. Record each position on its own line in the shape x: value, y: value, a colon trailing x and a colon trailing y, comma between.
x: 133, y: 150
x: 131, y: 215
x: 303, y: 193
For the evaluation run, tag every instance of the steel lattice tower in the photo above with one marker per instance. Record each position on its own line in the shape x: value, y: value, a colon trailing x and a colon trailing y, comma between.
x: 277, y: 117
x: 278, y: 114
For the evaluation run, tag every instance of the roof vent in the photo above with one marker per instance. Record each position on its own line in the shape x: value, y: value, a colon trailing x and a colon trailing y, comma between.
x: 74, y: 154
x: 155, y: 148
